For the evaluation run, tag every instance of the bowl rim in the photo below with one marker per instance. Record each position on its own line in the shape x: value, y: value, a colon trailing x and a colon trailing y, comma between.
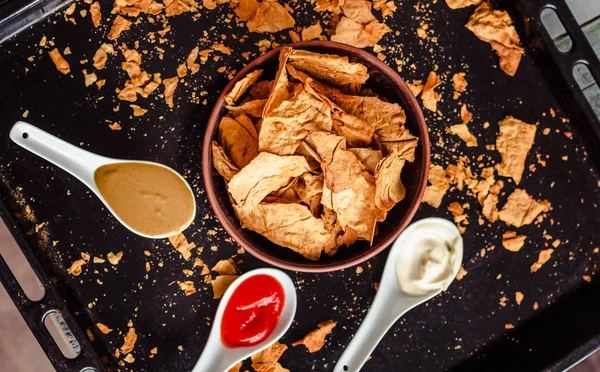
x: 316, y: 267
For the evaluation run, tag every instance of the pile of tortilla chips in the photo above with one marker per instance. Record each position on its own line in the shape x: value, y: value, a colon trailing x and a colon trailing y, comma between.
x: 312, y: 159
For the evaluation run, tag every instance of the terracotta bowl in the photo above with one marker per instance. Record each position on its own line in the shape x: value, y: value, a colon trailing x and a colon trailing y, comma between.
x: 386, y: 83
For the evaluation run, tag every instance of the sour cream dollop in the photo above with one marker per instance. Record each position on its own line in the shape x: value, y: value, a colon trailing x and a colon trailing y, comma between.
x: 429, y: 260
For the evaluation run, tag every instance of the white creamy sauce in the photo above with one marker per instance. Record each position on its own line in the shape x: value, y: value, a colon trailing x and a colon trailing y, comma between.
x: 429, y: 260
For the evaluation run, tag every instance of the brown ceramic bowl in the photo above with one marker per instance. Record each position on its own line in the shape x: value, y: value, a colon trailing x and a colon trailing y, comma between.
x: 386, y: 83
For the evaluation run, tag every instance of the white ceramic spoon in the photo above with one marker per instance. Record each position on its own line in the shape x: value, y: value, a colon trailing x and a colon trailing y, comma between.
x: 80, y: 163
x: 390, y: 302
x: 217, y: 357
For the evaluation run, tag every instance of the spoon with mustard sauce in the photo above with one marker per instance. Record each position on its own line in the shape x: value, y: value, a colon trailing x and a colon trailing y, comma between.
x: 422, y: 263
x: 150, y: 199
x: 255, y: 311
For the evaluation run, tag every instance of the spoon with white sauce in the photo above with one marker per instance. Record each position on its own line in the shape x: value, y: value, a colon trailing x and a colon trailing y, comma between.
x: 217, y: 356
x: 422, y: 263
x: 150, y: 199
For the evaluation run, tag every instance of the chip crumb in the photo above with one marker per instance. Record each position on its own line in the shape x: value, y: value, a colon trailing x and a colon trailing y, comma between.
x: 221, y: 283
x: 513, y: 242
x: 61, y: 64
x: 114, y: 126
x: 25, y: 113
x: 535, y: 306
x: 359, y: 270
x: 543, y: 257
x: 587, y: 278
x: 104, y: 329
x: 119, y: 25
x: 315, y: 339
x: 267, y: 359
x: 96, y: 14
x: 98, y: 260
x: 509, y: 326
x: 187, y: 287
x: 461, y: 273
x: 429, y: 96
x: 462, y: 131
x: 519, y: 297
x: 179, y: 241
x: 556, y: 243
x: 312, y: 32
x: 225, y: 267
x: 137, y: 110
x: 170, y: 85
x: 521, y: 209
x: 129, y: 341
x: 114, y: 259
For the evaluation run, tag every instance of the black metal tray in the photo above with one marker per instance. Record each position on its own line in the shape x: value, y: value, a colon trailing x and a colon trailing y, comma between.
x: 463, y: 329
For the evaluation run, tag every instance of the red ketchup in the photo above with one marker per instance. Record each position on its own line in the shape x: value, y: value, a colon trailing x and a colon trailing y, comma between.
x: 252, y: 312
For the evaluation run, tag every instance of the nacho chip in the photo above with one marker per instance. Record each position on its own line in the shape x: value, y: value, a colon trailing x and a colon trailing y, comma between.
x: 238, y: 138
x: 543, y: 257
x: 104, y: 329
x: 222, y: 163
x: 119, y: 25
x: 463, y: 132
x: 352, y: 188
x: 458, y: 4
x: 95, y: 13
x: 100, y: 59
x: 225, y: 267
x: 253, y: 108
x: 358, y: 10
x: 309, y: 188
x: 435, y: 192
x: 221, y: 283
x: 266, y: 360
x: 429, y: 96
x: 289, y: 225
x: 270, y: 16
x: 287, y: 125
x: 240, y: 88
x: 513, y: 242
x: 351, y: 32
x: 129, y: 341
x: 329, y: 68
x: 389, y: 187
x: 315, y: 340
x: 514, y: 142
x: 261, y: 89
x: 265, y: 173
x: 368, y: 157
x: 61, y: 64
x: 521, y: 209
x: 170, y: 86
x: 279, y: 90
x: 495, y: 27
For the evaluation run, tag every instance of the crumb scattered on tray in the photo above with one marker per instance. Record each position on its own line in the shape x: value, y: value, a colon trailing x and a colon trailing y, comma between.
x: 267, y: 360
x: 221, y: 283
x: 61, y: 64
x: 544, y: 256
x: 129, y: 341
x: 429, y: 96
x: 104, y: 329
x: 179, y: 241
x: 513, y: 242
x: 114, y: 258
x: 315, y: 339
x: 514, y: 142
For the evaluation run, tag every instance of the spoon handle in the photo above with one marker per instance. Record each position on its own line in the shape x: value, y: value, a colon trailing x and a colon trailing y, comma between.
x: 378, y: 321
x: 80, y: 163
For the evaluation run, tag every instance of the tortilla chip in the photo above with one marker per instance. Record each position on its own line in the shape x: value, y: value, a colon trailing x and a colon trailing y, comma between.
x: 119, y: 25
x: 309, y: 188
x: 261, y: 89
x: 463, y: 132
x: 416, y: 87
x: 368, y: 157
x: 240, y: 88
x: 266, y: 360
x: 288, y: 225
x: 390, y: 189
x: 329, y: 68
x: 312, y: 32
x: 352, y: 188
x: 351, y: 32
x: 358, y: 10
x: 179, y: 241
x: 225, y: 267
x: 495, y: 27
x: 513, y: 242
x: 221, y: 283
x: 287, y: 125
x: 187, y: 287
x: 458, y: 4
x: 543, y: 257
x: 129, y: 341
x: 104, y: 329
x: 61, y: 64
x: 521, y: 209
x: 238, y: 138
x: 429, y: 96
x: 465, y: 115
x: 439, y: 185
x: 170, y: 86
x: 270, y: 17
x: 265, y: 173
x: 514, y: 142
x: 279, y: 90
x: 222, y: 163
x: 253, y: 108
x: 315, y: 340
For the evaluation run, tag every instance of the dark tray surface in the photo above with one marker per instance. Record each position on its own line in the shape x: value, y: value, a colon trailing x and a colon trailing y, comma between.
x: 463, y: 329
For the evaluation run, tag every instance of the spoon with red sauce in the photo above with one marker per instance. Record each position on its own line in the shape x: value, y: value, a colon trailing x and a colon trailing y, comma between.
x: 255, y: 311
